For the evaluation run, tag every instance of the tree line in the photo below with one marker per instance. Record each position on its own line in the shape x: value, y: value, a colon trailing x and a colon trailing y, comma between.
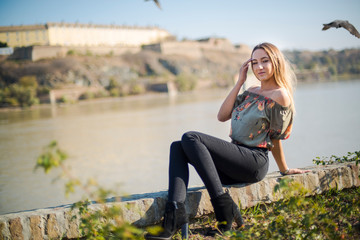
x: 343, y: 62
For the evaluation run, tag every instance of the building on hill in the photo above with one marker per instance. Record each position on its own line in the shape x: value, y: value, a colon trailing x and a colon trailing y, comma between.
x: 195, y: 48
x: 81, y: 35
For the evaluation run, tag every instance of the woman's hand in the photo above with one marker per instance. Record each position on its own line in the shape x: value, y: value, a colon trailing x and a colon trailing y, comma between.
x: 243, y: 71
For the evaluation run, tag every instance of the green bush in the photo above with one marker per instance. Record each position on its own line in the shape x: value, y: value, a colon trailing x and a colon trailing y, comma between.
x: 185, y: 82
x: 28, y: 81
x: 71, y: 52
x: 64, y: 99
x: 350, y: 157
x: 136, y: 89
x: 112, y: 84
x: 87, y: 95
x: 101, y: 94
x: 42, y: 90
x: 88, y: 53
x: 114, y: 92
x: 16, y: 95
x: 21, y: 94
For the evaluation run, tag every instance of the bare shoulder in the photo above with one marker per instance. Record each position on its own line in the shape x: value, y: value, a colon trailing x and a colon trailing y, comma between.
x: 253, y: 89
x: 281, y: 96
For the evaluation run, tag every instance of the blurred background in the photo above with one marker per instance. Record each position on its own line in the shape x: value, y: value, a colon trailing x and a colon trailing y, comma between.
x: 114, y: 82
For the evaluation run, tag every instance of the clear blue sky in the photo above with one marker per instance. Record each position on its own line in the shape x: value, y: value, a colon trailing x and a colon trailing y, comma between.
x: 289, y: 24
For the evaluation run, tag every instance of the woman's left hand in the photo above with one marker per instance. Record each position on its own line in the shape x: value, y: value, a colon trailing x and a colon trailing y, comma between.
x: 296, y: 171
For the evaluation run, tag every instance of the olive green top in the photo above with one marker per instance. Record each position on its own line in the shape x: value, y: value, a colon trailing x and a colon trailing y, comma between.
x: 257, y: 119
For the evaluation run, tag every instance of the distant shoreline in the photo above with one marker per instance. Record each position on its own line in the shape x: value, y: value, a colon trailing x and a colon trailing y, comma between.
x: 150, y: 94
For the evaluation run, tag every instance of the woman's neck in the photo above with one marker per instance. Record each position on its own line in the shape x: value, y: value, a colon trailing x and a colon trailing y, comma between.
x: 269, y: 85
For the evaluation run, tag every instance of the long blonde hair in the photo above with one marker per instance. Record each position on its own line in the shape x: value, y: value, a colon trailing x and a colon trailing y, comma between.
x: 283, y: 73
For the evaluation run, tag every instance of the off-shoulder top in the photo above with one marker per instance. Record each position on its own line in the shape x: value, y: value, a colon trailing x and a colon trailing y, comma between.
x: 257, y: 119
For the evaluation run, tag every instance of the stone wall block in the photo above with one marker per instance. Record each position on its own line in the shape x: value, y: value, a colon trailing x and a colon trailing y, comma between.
x: 312, y: 182
x: 346, y: 176
x: 256, y: 193
x: 72, y: 223
x: 334, y: 178
x: 143, y: 211
x: 355, y: 174
x: 160, y: 203
x: 324, y: 181
x: 62, y: 223
x: 4, y: 230
x: 267, y: 191
x: 300, y: 178
x: 36, y: 227
x: 16, y: 229
x: 239, y: 196
x: 136, y: 210
x: 347, y: 179
x: 274, y: 196
x: 198, y: 203
x: 340, y: 176
x: 52, y: 227
x: 250, y: 194
x: 262, y: 195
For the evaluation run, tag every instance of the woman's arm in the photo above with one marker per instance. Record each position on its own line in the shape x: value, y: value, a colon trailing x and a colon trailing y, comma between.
x: 278, y: 153
x: 226, y: 108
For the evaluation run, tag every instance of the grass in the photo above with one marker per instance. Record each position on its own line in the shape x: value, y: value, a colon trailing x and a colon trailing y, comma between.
x: 331, y: 215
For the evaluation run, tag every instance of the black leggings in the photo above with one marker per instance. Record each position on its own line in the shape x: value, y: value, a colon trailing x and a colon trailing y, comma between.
x: 216, y: 161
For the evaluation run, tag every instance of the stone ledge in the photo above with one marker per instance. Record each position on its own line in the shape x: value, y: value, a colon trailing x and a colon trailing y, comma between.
x: 147, y: 209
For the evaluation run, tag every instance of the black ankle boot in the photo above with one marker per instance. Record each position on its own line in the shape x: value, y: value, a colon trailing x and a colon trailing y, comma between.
x: 226, y: 211
x: 175, y: 217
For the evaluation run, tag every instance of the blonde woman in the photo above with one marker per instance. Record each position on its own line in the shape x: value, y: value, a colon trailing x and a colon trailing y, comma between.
x: 260, y: 118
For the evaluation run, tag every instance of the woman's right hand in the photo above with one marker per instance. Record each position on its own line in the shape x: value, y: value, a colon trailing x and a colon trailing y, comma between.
x: 243, y: 71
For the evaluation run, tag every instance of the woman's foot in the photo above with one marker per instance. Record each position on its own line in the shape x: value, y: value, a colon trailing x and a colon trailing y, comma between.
x: 226, y: 211
x: 175, y: 218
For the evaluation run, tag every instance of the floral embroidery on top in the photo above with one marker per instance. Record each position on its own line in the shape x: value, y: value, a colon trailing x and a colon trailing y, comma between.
x: 271, y: 104
x: 261, y: 105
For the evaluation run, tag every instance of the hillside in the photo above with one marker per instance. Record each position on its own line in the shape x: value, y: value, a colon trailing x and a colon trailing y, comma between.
x: 145, y: 66
x: 134, y: 73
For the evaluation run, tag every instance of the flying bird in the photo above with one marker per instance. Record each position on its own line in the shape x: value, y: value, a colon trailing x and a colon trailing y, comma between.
x: 344, y: 24
x: 156, y: 2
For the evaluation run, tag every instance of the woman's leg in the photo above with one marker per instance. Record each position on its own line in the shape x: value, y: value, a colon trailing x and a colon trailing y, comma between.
x: 220, y: 162
x: 175, y: 216
x: 178, y: 173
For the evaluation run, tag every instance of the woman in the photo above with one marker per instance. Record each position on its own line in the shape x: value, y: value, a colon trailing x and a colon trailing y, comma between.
x: 260, y: 118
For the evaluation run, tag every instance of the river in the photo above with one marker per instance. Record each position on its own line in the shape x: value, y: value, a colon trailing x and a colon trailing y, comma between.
x: 124, y: 143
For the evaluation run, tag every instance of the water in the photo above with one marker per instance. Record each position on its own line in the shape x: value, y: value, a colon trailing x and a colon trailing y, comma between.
x: 126, y: 141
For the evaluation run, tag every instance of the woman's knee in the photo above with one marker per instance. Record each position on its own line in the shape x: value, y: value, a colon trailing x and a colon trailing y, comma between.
x: 175, y: 146
x: 190, y: 136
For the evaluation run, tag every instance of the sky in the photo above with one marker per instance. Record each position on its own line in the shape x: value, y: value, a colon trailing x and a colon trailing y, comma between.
x: 289, y: 24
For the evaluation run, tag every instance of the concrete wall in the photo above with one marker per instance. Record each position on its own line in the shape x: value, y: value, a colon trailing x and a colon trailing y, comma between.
x: 147, y: 209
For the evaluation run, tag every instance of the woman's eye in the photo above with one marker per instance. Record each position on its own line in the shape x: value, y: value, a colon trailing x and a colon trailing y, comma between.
x: 254, y: 63
x: 265, y: 61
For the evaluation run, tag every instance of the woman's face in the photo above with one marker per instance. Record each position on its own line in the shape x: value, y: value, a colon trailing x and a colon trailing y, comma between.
x: 261, y: 65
